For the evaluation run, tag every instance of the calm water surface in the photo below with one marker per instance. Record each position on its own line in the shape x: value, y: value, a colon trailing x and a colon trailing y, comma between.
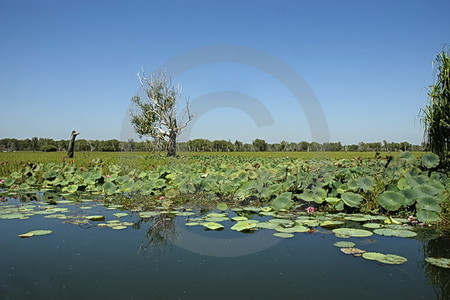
x: 174, y: 261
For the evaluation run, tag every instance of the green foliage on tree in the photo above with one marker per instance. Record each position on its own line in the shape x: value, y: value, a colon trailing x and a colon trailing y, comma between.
x: 156, y: 114
x: 436, y: 114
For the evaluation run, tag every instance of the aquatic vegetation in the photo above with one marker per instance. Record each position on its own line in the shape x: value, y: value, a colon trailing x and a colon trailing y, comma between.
x: 439, y: 262
x: 391, y: 259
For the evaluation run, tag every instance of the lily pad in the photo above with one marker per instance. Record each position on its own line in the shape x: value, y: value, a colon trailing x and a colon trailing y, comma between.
x: 344, y: 244
x: 439, y: 262
x: 244, y: 225
x: 373, y: 225
x: 222, y: 206
x: 35, y: 232
x: 120, y: 215
x: 385, y: 258
x: 119, y: 227
x: 354, y: 251
x: 212, y: 225
x: 149, y: 214
x: 239, y: 218
x: 95, y: 218
x: 331, y: 223
x: 192, y: 223
x: 284, y: 235
x: 351, y: 232
x: 395, y: 232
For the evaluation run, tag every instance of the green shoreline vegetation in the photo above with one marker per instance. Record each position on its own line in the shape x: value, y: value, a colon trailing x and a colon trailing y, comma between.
x: 402, y: 185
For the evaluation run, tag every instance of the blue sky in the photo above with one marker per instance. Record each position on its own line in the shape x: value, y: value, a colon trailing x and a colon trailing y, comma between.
x: 365, y: 66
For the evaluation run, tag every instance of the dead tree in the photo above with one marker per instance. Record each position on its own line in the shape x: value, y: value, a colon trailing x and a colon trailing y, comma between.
x: 73, y: 135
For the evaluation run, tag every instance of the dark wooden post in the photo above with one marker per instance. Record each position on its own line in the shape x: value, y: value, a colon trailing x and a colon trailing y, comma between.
x: 73, y: 135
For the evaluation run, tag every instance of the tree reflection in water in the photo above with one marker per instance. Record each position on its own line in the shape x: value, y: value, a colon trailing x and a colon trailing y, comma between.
x: 161, y: 233
x: 437, y: 276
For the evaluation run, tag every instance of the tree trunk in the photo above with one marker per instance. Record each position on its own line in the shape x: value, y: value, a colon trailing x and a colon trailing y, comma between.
x: 172, y: 144
x: 72, y: 144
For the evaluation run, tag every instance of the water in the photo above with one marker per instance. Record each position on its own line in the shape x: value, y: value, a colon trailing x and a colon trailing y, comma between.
x: 174, y: 261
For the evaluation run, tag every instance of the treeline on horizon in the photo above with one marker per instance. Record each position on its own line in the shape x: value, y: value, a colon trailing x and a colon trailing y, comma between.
x: 197, y: 145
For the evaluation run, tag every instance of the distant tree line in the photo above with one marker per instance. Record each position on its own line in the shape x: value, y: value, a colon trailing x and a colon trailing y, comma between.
x: 197, y: 145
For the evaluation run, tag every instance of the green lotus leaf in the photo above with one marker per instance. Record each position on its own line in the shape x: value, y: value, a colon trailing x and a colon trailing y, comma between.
x: 295, y: 228
x: 120, y: 215
x: 95, y: 218
x: 366, y: 183
x: 149, y: 214
x: 330, y: 223
x: 395, y: 232
x: 429, y: 203
x: 439, y: 262
x: 373, y: 225
x: 192, y: 223
x: 35, y: 232
x: 222, y: 206
x: 244, y: 225
x: 212, y: 225
x: 410, y: 195
x: 332, y: 200
x: 352, y: 199
x: 351, y: 232
x: 109, y: 188
x: 391, y: 201
x: 430, y: 160
x: 217, y: 219
x: 283, y: 201
x: 356, y: 219
x: 184, y: 213
x: 283, y: 235
x: 344, y: 244
x: 426, y: 190
x: 239, y: 218
x: 385, y: 258
x: 119, y: 227
x: 266, y: 225
x: 427, y: 216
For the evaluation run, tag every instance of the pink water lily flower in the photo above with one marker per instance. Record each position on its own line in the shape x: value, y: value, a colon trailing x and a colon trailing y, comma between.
x: 2, y: 181
x: 162, y: 198
x: 310, y: 209
x: 107, y: 176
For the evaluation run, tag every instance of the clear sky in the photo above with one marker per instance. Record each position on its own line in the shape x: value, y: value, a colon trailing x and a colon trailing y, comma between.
x: 346, y: 71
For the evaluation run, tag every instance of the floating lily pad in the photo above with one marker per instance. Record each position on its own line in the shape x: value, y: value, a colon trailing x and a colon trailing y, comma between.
x: 296, y: 228
x: 222, y: 206
x: 120, y: 215
x: 244, y: 225
x: 354, y: 251
x: 184, y: 213
x: 373, y: 225
x: 385, y: 258
x: 35, y: 232
x: 192, y: 223
x: 351, y: 232
x: 344, y: 244
x: 356, y: 219
x: 239, y: 218
x: 95, y: 218
x: 119, y: 227
x: 284, y: 235
x: 395, y: 232
x: 149, y: 214
x: 439, y: 262
x: 266, y: 225
x: 330, y: 223
x: 212, y: 225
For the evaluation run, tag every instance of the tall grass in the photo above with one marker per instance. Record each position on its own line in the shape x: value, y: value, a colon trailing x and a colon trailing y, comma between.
x: 436, y: 115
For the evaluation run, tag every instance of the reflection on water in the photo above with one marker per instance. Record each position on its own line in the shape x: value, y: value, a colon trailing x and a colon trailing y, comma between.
x: 438, y: 277
x: 156, y: 259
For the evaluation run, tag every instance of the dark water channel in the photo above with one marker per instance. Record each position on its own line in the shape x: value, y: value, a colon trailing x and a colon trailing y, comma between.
x: 174, y: 261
